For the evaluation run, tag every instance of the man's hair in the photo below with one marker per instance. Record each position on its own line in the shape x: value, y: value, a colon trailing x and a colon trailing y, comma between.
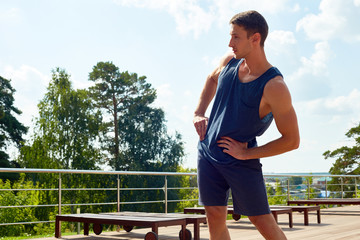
x: 252, y: 22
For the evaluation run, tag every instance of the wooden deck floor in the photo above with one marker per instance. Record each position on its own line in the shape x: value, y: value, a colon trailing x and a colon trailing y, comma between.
x: 336, y: 223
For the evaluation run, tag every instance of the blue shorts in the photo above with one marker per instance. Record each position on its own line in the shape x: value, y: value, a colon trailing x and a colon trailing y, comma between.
x: 245, y: 180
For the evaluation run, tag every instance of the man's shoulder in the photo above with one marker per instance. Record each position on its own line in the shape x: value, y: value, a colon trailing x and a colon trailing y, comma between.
x: 276, y: 88
x: 276, y: 80
x: 226, y: 59
x: 222, y: 64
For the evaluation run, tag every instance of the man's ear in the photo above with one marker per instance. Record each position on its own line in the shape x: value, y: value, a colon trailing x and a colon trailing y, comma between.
x: 256, y: 37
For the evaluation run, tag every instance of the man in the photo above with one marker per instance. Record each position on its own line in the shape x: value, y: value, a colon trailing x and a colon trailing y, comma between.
x: 250, y: 92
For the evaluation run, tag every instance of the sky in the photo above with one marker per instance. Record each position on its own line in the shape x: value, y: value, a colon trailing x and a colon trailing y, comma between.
x: 177, y: 43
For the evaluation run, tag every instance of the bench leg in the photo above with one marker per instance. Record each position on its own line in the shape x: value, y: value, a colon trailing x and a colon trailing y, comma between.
x: 86, y: 228
x: 183, y: 229
x: 290, y: 220
x: 275, y: 216
x: 318, y: 216
x: 306, y: 217
x: 57, y: 229
x: 196, y: 230
x: 155, y: 229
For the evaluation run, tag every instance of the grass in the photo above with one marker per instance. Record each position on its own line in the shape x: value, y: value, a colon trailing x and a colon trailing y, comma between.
x: 38, y: 236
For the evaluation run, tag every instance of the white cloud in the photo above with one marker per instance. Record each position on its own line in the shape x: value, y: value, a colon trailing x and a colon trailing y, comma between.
x: 227, y: 8
x: 316, y: 65
x: 337, y: 19
x: 185, y: 114
x: 25, y: 75
x: 213, y: 62
x: 296, y: 8
x: 339, y: 107
x: 191, y: 17
x: 164, y: 96
x: 283, y: 37
x: 10, y: 15
x: 188, y: 15
x: 279, y: 42
x: 30, y: 85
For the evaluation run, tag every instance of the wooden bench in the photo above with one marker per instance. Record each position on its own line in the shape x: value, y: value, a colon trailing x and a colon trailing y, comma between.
x: 275, y: 213
x: 195, y: 219
x: 305, y: 209
x: 201, y: 210
x: 140, y: 221
x: 326, y: 201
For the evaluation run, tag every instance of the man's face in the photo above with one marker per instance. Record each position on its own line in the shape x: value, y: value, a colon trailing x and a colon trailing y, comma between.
x: 239, y: 41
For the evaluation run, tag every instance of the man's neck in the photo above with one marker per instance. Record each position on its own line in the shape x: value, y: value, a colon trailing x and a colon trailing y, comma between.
x: 256, y: 63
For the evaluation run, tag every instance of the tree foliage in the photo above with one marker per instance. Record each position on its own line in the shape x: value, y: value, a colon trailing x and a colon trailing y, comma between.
x: 77, y: 128
x: 113, y: 92
x: 136, y: 136
x: 347, y: 158
x: 66, y: 131
x: 16, y: 198
x: 11, y: 130
x: 347, y: 163
x: 145, y: 143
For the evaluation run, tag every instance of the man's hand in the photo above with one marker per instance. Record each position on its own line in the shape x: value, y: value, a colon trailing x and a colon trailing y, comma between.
x: 200, y: 123
x: 234, y: 148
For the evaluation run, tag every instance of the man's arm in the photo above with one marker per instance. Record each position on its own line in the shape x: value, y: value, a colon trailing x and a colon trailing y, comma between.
x: 277, y: 98
x: 207, y: 94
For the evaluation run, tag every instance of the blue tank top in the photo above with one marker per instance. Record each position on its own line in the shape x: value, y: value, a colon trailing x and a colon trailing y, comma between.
x: 235, y: 113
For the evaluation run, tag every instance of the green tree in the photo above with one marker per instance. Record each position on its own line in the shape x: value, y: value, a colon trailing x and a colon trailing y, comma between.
x: 135, y: 135
x: 295, y: 181
x: 113, y: 92
x: 11, y: 130
x: 143, y: 143
x: 347, y: 163
x: 279, y: 197
x: 347, y: 158
x: 191, y: 193
x: 16, y: 198
x: 65, y: 137
x: 65, y: 134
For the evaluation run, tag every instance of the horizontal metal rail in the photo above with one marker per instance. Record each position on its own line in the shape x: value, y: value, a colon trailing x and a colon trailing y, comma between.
x: 22, y: 223
x: 35, y: 170
x: 287, y: 189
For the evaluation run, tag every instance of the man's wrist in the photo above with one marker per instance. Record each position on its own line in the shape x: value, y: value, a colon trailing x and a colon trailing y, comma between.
x: 196, y: 114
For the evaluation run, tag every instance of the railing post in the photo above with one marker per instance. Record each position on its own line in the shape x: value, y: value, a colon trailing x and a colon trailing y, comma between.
x: 118, y: 193
x: 308, y: 180
x: 326, y: 187
x: 342, y: 187
x: 288, y: 189
x: 165, y: 192
x: 78, y: 224
x: 356, y: 195
x: 59, y: 193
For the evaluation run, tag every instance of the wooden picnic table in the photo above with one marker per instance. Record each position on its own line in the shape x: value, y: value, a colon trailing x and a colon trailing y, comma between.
x: 236, y: 217
x: 201, y: 210
x: 326, y: 201
x: 305, y: 209
x: 140, y: 221
x: 276, y: 211
x: 195, y: 219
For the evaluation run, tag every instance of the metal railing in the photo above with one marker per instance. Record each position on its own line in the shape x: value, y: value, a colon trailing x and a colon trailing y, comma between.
x: 280, y: 183
x: 317, y: 185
